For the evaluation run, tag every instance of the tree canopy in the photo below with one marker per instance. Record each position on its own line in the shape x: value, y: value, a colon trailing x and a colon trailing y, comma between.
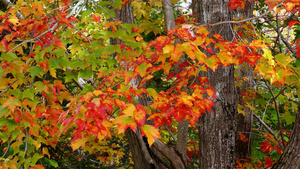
x: 76, y: 78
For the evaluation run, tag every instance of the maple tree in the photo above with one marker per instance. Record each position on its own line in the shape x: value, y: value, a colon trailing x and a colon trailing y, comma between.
x: 111, y: 83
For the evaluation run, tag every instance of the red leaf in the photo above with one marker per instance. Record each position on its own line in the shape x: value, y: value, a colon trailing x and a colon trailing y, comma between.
x: 234, y: 4
x: 243, y: 137
x: 292, y: 23
x: 161, y: 42
x: 298, y: 52
x: 266, y: 147
x: 278, y: 149
x: 96, y: 17
x: 268, y: 162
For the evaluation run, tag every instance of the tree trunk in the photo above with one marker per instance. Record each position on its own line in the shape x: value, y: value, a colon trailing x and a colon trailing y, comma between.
x: 290, y: 157
x: 145, y: 157
x: 218, y: 129
x: 140, y: 153
x: 244, y: 123
x: 182, y: 134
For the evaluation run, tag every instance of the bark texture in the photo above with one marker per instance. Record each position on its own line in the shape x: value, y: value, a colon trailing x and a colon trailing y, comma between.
x: 145, y: 157
x: 217, y: 129
x: 244, y: 123
x: 182, y: 135
x: 290, y: 157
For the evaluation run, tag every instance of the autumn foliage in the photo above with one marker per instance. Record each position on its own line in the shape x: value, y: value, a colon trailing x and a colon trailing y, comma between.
x: 44, y: 55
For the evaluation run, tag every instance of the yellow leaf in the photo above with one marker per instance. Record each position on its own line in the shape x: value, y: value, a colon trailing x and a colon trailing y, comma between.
x: 129, y: 110
x: 53, y: 73
x: 251, y: 107
x: 268, y: 55
x: 97, y: 92
x: 240, y: 110
x: 78, y: 143
x: 289, y: 95
x: 45, y: 151
x: 168, y: 49
x: 152, y: 92
x: 151, y: 133
x: 14, y: 20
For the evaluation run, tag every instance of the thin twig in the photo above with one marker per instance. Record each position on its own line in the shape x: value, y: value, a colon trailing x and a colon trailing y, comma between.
x: 107, y: 12
x: 75, y: 7
x: 277, y: 110
x: 26, y: 41
x: 240, y: 21
x: 280, y: 145
x: 288, y: 45
x: 26, y: 142
x: 80, y: 32
x: 4, y: 90
x: 170, y: 132
x: 6, y: 150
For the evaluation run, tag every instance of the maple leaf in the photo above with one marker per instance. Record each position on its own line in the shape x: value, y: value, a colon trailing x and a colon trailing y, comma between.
x: 151, y: 133
x: 283, y: 60
x: 243, y: 137
x: 185, y: 33
x: 140, y: 115
x: 78, y: 143
x: 152, y: 92
x: 124, y: 122
x: 12, y: 103
x: 268, y: 162
x: 161, y: 41
x: 266, y: 146
x: 14, y: 20
x: 234, y: 4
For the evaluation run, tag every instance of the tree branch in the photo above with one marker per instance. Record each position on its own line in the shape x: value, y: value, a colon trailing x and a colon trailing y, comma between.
x: 240, y: 21
x: 277, y: 111
x: 80, y: 32
x: 269, y: 129
x: 288, y: 45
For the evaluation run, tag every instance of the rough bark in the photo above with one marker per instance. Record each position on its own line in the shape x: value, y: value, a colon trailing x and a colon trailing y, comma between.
x: 244, y: 123
x: 145, y: 157
x: 217, y: 129
x: 140, y: 153
x: 182, y: 135
x: 7, y: 3
x: 290, y: 157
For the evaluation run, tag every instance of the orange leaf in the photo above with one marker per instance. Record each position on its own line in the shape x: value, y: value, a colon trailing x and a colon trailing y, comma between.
x: 12, y: 103
x: 151, y: 133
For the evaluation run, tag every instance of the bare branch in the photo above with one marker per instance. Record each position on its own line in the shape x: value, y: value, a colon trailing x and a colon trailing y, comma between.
x: 9, y: 86
x: 107, y: 12
x: 80, y: 32
x: 280, y: 145
x: 6, y: 150
x: 288, y: 45
x: 240, y: 21
x: 170, y: 133
x: 277, y: 111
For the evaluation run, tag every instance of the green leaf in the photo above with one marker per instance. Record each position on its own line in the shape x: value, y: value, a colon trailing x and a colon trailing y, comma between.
x: 85, y: 74
x: 11, y: 124
x: 289, y: 119
x: 52, y: 163
x: 28, y: 94
x: 9, y: 56
x: 70, y: 75
x: 152, y: 92
x: 54, y: 63
x: 3, y: 110
x: 35, y: 70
